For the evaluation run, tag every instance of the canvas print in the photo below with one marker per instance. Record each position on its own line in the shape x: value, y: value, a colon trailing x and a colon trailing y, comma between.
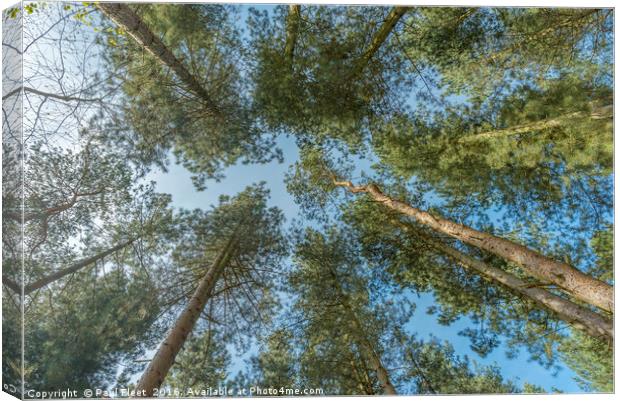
x: 245, y: 200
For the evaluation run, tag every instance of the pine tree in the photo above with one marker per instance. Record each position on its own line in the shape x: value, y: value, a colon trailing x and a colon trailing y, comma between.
x: 185, y: 94
x: 223, y: 257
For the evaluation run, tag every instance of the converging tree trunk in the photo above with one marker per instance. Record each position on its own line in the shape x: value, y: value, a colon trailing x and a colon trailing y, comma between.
x: 576, y: 315
x: 369, y: 351
x: 158, y: 368
x: 598, y: 113
x: 131, y: 23
x: 363, y: 381
x: 292, y: 30
x: 367, y: 348
x: 576, y: 283
x: 380, y: 37
x: 66, y: 271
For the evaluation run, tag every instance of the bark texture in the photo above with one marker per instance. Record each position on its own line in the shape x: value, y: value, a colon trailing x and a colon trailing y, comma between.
x: 158, y: 368
x: 579, y: 317
x: 292, y: 30
x: 380, y: 37
x: 579, y: 285
x: 131, y: 23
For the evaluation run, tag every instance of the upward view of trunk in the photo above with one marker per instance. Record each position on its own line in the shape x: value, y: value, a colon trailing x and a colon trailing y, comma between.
x: 363, y: 382
x: 292, y: 30
x: 380, y: 37
x: 428, y: 386
x: 579, y: 317
x: 369, y: 351
x: 576, y: 283
x: 598, y: 113
x: 131, y: 23
x: 66, y: 271
x: 158, y: 368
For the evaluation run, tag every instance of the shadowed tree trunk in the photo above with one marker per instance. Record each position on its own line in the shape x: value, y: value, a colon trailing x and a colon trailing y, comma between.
x: 367, y: 348
x: 363, y: 381
x: 131, y: 23
x: 374, y: 360
x: 292, y: 30
x: 379, y: 38
x: 66, y: 271
x: 598, y: 113
x: 576, y: 315
x: 576, y: 283
x: 158, y: 368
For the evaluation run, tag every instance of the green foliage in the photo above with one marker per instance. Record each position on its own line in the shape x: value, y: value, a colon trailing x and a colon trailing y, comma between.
x: 335, y: 316
x: 436, y: 369
x: 413, y: 264
x: 275, y: 365
x: 481, y: 52
x: 164, y: 115
x: 102, y: 318
x: 592, y: 360
x: 603, y: 245
x: 318, y: 97
x: 560, y: 171
x: 498, y: 118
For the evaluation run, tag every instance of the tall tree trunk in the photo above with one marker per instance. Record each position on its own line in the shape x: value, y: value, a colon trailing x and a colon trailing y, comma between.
x: 364, y: 343
x: 428, y: 386
x: 369, y: 351
x: 131, y: 23
x: 362, y: 382
x: 379, y: 38
x: 292, y: 30
x: 576, y: 283
x: 158, y: 368
x: 579, y: 317
x: 68, y: 270
x: 598, y: 113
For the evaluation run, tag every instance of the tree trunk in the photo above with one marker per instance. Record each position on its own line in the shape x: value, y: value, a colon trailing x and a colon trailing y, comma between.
x: 362, y: 382
x: 379, y: 38
x: 11, y: 285
x: 292, y: 30
x: 598, y: 113
x: 419, y: 370
x: 364, y: 343
x: 581, y: 318
x: 158, y: 368
x: 131, y: 23
x: 373, y: 358
x: 576, y: 283
x: 68, y: 270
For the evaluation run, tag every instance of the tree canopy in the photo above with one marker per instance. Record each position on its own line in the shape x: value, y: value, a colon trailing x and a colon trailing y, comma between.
x: 458, y: 157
